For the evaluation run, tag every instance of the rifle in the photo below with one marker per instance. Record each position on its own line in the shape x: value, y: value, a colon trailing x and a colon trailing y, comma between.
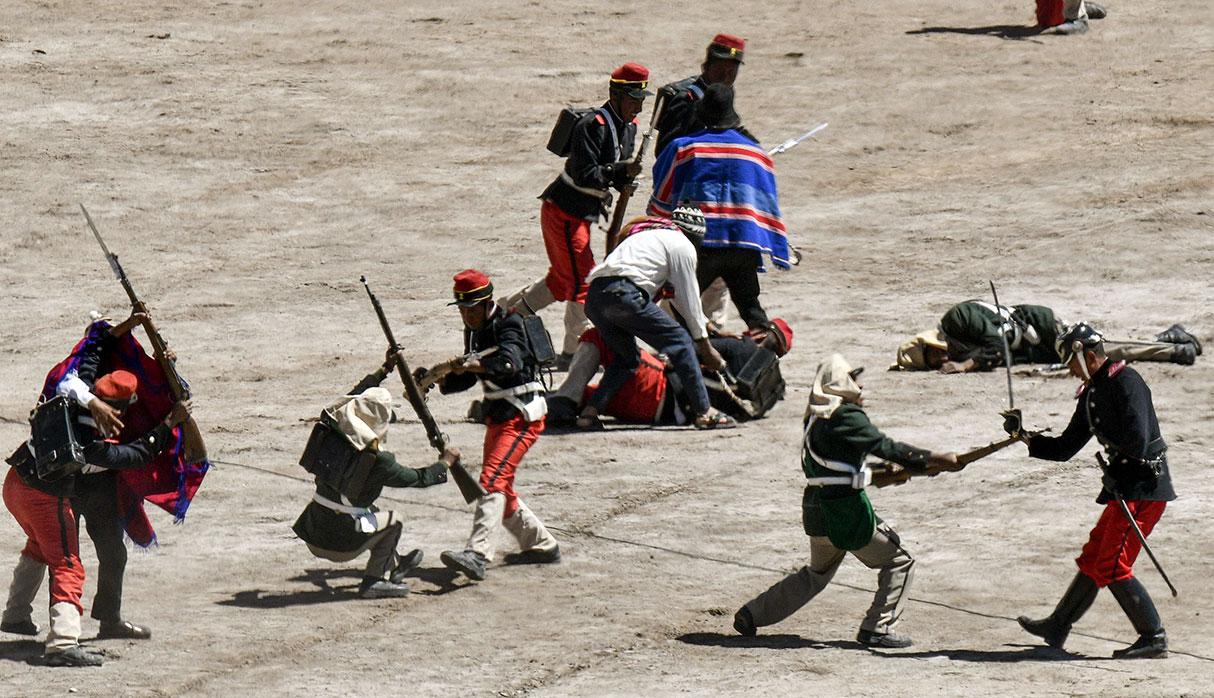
x: 468, y: 487
x: 194, y: 449
x: 427, y: 378
x: 886, y: 474
x: 621, y: 204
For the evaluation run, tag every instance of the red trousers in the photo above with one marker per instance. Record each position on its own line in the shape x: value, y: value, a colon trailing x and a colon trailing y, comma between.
x: 1049, y: 13
x: 50, y: 527
x: 505, y: 445
x: 1112, y: 547
x: 567, y: 240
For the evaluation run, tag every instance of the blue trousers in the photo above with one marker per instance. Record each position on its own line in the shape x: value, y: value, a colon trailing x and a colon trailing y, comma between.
x: 623, y: 313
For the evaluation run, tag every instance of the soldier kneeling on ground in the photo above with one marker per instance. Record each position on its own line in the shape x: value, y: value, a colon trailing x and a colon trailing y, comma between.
x: 345, y: 453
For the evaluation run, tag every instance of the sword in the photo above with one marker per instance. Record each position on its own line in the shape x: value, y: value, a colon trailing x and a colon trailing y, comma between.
x: 1007, y: 353
x: 1125, y: 510
x: 793, y: 142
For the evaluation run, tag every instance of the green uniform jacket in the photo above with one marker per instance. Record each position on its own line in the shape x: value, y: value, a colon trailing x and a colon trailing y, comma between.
x: 840, y: 512
x: 337, y: 531
x: 973, y: 332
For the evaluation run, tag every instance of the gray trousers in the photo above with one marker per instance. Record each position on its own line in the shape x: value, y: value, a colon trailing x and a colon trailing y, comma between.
x: 884, y: 553
x: 382, y: 545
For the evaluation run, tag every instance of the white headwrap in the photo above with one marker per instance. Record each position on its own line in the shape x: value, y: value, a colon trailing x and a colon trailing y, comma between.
x: 363, y: 419
x: 833, y: 385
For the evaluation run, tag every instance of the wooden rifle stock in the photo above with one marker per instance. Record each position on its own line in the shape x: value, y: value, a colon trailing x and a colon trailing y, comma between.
x: 195, y: 449
x: 886, y: 474
x: 468, y: 487
x: 621, y: 203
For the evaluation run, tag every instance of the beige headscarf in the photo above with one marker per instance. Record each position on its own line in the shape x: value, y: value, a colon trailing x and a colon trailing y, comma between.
x: 912, y: 353
x: 363, y: 419
x: 833, y: 385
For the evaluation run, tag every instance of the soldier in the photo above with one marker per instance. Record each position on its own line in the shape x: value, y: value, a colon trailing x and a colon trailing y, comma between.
x: 342, y: 522
x: 599, y: 153
x: 513, y: 408
x: 722, y: 61
x: 1114, y: 404
x: 837, y: 514
x: 621, y: 304
x: 44, y: 509
x: 970, y: 338
x: 725, y: 174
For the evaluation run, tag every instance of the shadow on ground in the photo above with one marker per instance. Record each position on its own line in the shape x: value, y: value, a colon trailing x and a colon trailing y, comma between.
x: 27, y: 651
x: 1023, y: 653
x: 999, y: 31
x: 771, y: 642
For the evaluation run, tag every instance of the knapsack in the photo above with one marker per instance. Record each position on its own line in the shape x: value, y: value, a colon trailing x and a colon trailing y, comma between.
x: 58, y: 452
x: 334, y: 461
x: 561, y: 139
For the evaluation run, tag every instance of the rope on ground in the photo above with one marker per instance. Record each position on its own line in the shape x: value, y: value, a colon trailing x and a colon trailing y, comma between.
x: 693, y: 556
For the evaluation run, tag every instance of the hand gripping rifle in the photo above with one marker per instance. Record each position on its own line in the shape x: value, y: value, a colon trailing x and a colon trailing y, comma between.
x: 468, y: 487
x: 621, y: 203
x: 428, y: 378
x: 194, y: 448
x: 886, y: 474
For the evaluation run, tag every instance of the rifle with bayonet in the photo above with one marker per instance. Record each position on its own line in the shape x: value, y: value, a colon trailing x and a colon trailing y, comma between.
x: 621, y: 203
x: 886, y: 474
x: 194, y: 450
x: 428, y: 377
x: 468, y: 487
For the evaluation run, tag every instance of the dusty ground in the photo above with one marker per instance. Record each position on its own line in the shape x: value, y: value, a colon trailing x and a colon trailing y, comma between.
x: 249, y: 160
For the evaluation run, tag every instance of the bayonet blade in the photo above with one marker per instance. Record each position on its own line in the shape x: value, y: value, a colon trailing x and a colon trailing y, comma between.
x: 109, y: 256
x: 794, y: 142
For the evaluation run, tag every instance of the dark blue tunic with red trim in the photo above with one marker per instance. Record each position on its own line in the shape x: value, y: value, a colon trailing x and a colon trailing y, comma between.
x: 508, y: 367
x: 600, y: 143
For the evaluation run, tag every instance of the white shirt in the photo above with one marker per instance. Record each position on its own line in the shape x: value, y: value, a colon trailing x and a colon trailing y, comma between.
x: 73, y: 387
x: 650, y: 259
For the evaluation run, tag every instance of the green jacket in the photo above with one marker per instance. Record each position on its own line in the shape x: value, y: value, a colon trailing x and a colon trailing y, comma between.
x: 338, y: 531
x: 973, y: 332
x: 845, y: 439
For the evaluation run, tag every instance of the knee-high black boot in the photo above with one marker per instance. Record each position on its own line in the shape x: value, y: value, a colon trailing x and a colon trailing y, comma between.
x: 1136, y: 602
x: 1055, y: 627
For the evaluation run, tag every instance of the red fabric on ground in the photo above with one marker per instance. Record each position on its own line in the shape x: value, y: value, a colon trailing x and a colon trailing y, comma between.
x: 567, y: 240
x: 505, y: 445
x: 1112, y: 547
x: 49, y: 523
x: 639, y: 399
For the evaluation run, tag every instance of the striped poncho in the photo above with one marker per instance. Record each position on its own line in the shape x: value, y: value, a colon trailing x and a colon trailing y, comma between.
x: 732, y: 180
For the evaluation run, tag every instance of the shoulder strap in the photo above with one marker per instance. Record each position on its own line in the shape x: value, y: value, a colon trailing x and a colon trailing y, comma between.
x: 604, y: 117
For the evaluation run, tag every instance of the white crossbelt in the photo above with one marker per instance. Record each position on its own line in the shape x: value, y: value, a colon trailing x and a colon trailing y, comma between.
x: 364, y: 518
x: 533, y: 409
x: 856, y: 479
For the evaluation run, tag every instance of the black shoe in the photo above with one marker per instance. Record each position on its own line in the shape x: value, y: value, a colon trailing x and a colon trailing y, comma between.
x: 1055, y: 627
x: 74, y: 656
x: 534, y: 557
x: 469, y: 562
x: 883, y: 640
x: 409, y: 562
x: 1095, y: 11
x: 21, y: 627
x: 563, y: 361
x: 372, y: 588
x: 476, y: 412
x: 1184, y: 354
x: 1047, y: 629
x: 123, y: 630
x: 1146, y: 647
x: 1177, y: 334
x: 744, y: 623
x: 562, y: 412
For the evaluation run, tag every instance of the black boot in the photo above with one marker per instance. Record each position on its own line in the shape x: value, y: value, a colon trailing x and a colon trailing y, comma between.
x: 1074, y: 603
x: 1136, y: 602
x: 1184, y: 354
x: 1177, y: 334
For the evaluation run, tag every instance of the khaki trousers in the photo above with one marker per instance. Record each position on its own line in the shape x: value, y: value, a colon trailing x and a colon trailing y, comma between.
x: 1140, y: 351
x: 523, y: 524
x: 381, y: 543
x: 532, y: 299
x: 884, y: 553
x: 28, y: 576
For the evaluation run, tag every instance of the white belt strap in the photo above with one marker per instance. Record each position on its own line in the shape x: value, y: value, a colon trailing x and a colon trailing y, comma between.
x: 492, y: 392
x: 364, y: 518
x: 855, y: 478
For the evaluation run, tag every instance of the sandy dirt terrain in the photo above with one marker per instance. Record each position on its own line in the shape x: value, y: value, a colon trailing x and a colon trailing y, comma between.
x: 249, y: 160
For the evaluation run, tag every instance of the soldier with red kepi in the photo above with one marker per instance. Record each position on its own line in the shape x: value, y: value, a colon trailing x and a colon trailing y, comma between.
x: 600, y: 151
x: 721, y: 63
x: 514, y: 410
x: 1115, y: 406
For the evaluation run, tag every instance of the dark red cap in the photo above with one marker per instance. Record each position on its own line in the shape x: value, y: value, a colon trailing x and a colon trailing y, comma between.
x: 471, y: 287
x: 632, y: 78
x: 118, y: 386
x: 727, y: 46
x: 785, y: 332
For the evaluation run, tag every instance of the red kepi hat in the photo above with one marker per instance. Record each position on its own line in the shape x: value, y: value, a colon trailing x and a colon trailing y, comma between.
x: 471, y: 287
x: 727, y: 46
x: 632, y: 79
x: 117, y: 386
